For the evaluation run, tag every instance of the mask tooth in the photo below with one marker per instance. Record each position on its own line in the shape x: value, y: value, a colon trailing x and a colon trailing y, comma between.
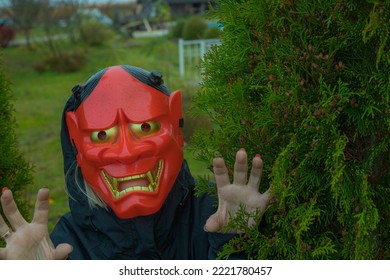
x: 153, y: 177
x: 114, y: 183
x: 149, y: 175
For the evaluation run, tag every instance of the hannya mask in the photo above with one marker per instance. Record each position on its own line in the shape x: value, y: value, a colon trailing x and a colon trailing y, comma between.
x: 129, y: 144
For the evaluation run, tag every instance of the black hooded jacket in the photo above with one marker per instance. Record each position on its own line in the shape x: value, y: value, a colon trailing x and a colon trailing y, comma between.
x: 174, y: 232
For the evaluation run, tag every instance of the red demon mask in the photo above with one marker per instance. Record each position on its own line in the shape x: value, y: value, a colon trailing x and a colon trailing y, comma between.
x: 128, y: 141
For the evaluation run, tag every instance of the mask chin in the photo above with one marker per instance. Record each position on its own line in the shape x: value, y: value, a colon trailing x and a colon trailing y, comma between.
x: 142, y: 202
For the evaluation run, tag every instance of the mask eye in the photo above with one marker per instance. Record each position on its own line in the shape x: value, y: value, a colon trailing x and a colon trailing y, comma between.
x: 144, y: 129
x: 104, y: 136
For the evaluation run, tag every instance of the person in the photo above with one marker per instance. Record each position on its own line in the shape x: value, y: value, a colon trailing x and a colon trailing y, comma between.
x: 131, y: 194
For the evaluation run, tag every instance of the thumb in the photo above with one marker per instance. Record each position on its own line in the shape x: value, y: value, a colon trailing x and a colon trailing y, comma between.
x: 213, y: 224
x: 62, y: 251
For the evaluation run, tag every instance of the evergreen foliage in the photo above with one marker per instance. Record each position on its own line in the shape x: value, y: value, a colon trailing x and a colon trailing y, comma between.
x: 15, y: 171
x: 306, y: 84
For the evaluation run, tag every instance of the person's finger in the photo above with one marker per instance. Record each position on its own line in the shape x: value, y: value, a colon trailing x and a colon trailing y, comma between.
x: 213, y: 224
x: 41, y: 213
x: 267, y: 195
x: 264, y: 200
x: 10, y: 210
x: 220, y: 172
x: 241, y: 168
x: 256, y: 172
x: 3, y: 226
x: 62, y: 251
x: 2, y: 254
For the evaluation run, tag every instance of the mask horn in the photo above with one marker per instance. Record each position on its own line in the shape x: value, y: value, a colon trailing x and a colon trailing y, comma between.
x: 77, y: 90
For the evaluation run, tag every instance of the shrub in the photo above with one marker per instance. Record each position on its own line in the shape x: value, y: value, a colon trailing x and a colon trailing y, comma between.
x: 95, y: 33
x: 63, y: 62
x: 176, y: 31
x: 306, y: 84
x: 15, y: 171
x: 194, y: 28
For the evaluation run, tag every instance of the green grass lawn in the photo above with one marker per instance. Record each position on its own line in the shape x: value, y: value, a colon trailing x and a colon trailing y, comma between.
x: 39, y: 99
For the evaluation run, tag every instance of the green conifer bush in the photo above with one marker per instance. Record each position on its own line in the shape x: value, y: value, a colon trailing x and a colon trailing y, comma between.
x: 306, y: 84
x: 15, y: 171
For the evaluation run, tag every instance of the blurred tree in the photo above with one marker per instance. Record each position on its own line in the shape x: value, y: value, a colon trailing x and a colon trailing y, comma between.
x: 69, y: 18
x: 64, y: 17
x: 163, y: 13
x: 306, y: 84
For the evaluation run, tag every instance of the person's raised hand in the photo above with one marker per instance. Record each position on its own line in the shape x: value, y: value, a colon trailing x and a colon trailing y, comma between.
x: 243, y: 192
x: 28, y: 241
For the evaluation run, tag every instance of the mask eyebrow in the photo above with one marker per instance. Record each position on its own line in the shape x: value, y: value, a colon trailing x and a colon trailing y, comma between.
x: 95, y: 121
x: 140, y: 119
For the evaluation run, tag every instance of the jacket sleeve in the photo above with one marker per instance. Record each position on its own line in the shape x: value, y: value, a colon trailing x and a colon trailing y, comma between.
x: 217, y: 241
x: 66, y: 231
x: 203, y: 208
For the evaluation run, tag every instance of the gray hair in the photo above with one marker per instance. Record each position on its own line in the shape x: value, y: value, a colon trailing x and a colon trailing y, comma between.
x: 94, y: 201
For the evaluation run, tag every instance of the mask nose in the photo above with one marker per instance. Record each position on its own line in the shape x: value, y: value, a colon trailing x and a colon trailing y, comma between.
x: 128, y: 149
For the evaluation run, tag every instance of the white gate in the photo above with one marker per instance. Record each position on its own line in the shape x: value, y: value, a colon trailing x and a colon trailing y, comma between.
x: 190, y: 54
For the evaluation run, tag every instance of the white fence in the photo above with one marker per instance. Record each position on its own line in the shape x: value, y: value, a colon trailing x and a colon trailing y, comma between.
x: 190, y: 54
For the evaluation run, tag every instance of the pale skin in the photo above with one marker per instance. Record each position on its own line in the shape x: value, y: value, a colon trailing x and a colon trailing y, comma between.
x: 242, y: 191
x: 31, y: 241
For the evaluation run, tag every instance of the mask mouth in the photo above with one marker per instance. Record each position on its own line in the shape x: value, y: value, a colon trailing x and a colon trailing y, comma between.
x: 145, y: 182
